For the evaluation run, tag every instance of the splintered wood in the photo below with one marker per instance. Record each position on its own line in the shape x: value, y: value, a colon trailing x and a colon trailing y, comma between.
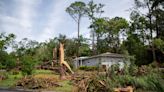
x: 63, y: 64
x: 127, y: 89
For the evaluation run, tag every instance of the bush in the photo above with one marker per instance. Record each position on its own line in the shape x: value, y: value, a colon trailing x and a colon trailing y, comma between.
x: 2, y: 66
x: 88, y: 68
x: 3, y: 75
x: 14, y: 72
x: 7, y: 61
x: 28, y: 64
x: 10, y: 64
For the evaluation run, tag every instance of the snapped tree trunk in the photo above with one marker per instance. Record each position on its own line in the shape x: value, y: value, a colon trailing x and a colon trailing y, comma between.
x: 63, y: 64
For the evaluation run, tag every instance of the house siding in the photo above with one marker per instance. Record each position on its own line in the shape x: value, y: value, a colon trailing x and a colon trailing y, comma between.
x: 103, y: 60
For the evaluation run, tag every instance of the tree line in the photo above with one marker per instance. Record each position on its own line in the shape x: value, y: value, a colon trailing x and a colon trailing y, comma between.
x: 142, y: 37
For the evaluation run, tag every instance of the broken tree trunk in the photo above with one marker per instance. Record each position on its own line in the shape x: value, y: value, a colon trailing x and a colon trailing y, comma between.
x: 63, y: 63
x: 54, y: 57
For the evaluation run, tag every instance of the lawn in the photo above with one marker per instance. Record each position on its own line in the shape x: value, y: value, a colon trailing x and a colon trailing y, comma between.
x: 66, y: 87
x: 12, y: 80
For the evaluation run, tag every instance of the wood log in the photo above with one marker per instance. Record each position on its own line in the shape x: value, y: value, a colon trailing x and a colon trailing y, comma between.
x: 127, y: 89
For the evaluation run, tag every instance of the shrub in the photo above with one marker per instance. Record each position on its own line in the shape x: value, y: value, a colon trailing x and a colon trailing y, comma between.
x: 28, y: 64
x: 7, y: 61
x: 144, y: 78
x: 2, y: 66
x: 10, y: 63
x: 3, y: 75
x: 88, y: 68
x: 14, y: 72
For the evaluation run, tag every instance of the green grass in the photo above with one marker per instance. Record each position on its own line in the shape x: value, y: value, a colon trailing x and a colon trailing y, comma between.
x: 11, y: 80
x: 66, y: 87
x: 43, y: 72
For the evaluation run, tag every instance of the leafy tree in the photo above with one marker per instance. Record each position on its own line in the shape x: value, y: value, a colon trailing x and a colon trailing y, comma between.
x: 6, y: 60
x: 156, y: 3
x: 44, y: 51
x: 159, y: 44
x: 116, y: 26
x: 5, y: 40
x: 28, y: 64
x: 107, y: 32
x: 77, y: 10
x: 153, y: 18
x: 100, y: 26
x: 25, y: 46
x: 93, y: 11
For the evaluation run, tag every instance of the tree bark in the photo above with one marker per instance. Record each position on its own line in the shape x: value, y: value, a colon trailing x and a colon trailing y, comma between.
x: 78, y: 35
x: 93, y: 42
x: 151, y: 32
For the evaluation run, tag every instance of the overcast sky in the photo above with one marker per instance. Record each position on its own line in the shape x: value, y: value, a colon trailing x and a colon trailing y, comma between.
x: 43, y: 19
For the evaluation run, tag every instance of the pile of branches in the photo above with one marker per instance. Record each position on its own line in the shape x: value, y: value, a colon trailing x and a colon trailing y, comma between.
x: 143, y: 78
x: 32, y: 82
x: 89, y: 84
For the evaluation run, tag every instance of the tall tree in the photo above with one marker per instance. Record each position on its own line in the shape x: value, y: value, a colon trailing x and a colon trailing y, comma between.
x: 148, y: 4
x: 93, y: 11
x: 77, y: 10
x: 6, y: 60
x: 158, y: 13
x: 107, y: 32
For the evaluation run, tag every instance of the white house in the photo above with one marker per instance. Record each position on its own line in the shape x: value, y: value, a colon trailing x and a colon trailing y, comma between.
x: 105, y: 60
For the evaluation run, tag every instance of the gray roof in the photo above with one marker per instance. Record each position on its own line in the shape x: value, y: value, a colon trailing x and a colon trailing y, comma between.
x: 107, y: 54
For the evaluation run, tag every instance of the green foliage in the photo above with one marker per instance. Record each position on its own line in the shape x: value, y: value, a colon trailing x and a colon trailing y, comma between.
x: 43, y: 72
x: 11, y: 79
x: 5, y: 40
x: 28, y: 64
x: 143, y: 78
x: 107, y: 32
x: 7, y: 61
x: 136, y: 48
x: 2, y: 66
x: 159, y: 44
x: 94, y: 10
x: 76, y: 10
x: 3, y: 75
x: 88, y: 68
